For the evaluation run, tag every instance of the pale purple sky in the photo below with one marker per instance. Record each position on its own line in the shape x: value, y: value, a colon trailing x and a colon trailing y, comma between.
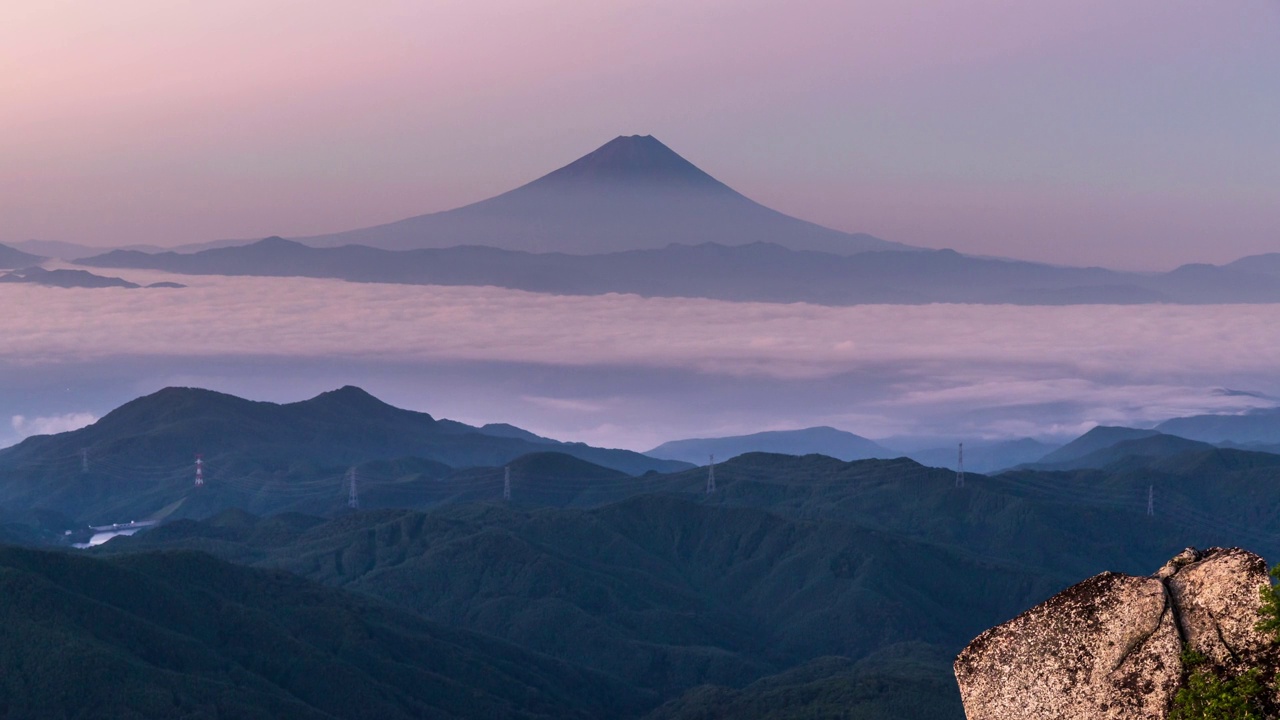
x: 1140, y: 134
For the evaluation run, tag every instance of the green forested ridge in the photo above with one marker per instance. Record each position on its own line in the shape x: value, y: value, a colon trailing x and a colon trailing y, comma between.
x: 792, y: 559
x: 258, y: 455
x: 790, y: 592
x: 180, y: 634
x: 659, y: 591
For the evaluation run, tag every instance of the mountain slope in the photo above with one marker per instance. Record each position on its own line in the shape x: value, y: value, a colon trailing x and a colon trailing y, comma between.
x: 14, y: 259
x: 633, y: 192
x: 185, y: 635
x: 884, y: 686
x: 816, y: 440
x: 1139, y: 450
x: 1267, y: 264
x: 1099, y: 438
x: 1255, y: 427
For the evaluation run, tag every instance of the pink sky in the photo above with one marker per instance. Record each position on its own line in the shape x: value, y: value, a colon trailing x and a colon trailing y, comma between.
x: 1137, y: 134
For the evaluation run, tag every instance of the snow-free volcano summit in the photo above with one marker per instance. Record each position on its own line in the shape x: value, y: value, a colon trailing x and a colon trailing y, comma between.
x: 633, y: 193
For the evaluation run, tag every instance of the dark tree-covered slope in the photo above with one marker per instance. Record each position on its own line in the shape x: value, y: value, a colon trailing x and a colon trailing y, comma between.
x: 183, y: 635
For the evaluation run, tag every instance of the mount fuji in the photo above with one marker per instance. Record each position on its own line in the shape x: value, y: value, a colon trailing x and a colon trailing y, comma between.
x: 633, y: 193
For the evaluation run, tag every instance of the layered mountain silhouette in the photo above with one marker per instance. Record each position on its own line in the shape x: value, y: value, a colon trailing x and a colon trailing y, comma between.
x: 982, y: 456
x: 763, y: 272
x: 632, y: 193
x: 718, y: 602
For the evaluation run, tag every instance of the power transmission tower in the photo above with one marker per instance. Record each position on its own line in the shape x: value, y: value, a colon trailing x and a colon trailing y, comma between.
x: 353, y: 496
x: 711, y: 475
x: 1151, y: 500
x: 960, y: 468
x: 199, y: 470
x: 84, y: 460
x: 506, y: 483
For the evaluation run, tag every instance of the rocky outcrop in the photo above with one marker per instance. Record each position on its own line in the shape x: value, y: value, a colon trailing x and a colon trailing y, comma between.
x: 1111, y: 646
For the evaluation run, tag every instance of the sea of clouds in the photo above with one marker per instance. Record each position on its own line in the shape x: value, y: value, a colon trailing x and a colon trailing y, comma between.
x: 631, y: 371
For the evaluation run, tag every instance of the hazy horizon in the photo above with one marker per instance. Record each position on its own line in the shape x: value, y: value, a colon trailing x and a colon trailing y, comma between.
x: 1137, y: 136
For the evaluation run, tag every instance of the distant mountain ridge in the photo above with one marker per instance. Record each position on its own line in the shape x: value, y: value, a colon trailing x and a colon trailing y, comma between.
x: 64, y: 278
x: 1135, y: 449
x: 1255, y: 427
x: 816, y: 440
x: 1098, y: 438
x: 631, y: 193
x: 760, y: 272
x: 14, y: 259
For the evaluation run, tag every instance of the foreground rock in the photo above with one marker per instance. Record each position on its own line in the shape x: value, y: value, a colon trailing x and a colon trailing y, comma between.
x: 1111, y: 646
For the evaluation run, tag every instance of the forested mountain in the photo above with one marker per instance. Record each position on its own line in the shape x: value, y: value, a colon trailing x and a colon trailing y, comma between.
x: 791, y: 559
x: 183, y: 635
x: 262, y: 456
x: 797, y: 586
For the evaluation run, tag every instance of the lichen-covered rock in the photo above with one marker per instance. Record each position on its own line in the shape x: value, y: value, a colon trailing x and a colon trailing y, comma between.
x: 1217, y: 603
x: 1111, y: 646
x: 1105, y: 648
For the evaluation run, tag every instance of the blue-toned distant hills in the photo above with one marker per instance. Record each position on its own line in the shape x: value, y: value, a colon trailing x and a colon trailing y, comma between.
x: 817, y: 440
x: 763, y: 272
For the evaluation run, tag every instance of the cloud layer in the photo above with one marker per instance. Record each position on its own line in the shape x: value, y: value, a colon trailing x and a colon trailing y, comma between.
x: 996, y: 370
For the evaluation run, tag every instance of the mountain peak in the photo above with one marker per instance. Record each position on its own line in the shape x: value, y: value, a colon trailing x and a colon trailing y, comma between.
x: 357, y: 401
x: 631, y: 160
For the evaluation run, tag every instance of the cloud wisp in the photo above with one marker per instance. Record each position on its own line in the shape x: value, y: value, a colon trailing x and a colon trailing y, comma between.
x: 26, y: 427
